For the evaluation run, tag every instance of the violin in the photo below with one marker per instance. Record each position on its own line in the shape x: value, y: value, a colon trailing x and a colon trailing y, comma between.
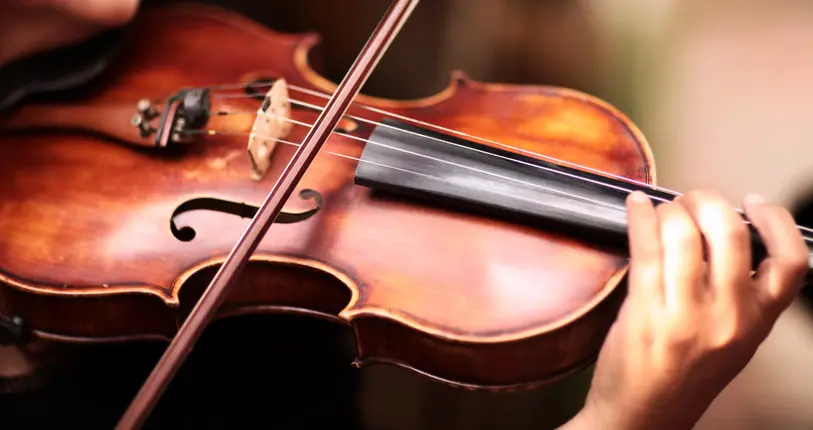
x: 476, y: 236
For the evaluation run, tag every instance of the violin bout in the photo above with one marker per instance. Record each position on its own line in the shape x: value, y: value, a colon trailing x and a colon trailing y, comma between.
x: 473, y: 298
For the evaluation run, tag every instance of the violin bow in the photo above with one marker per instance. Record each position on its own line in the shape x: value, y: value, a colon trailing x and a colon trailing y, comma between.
x: 181, y: 345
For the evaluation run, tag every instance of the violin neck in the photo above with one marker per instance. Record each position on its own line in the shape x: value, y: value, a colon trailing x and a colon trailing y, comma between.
x: 456, y: 174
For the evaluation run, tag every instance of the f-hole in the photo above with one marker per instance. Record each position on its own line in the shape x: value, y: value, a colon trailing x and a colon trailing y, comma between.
x: 187, y: 233
x: 258, y: 87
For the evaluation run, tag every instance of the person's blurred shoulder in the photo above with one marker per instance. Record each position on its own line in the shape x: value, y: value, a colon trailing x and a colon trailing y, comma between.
x: 36, y: 60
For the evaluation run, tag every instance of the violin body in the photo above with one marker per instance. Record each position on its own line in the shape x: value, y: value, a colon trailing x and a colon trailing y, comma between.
x: 87, y: 252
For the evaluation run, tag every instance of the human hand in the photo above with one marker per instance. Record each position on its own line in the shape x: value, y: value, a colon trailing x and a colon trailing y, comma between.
x: 688, y: 326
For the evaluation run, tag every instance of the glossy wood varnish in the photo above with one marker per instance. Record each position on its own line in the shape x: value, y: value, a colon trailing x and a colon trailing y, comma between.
x: 86, y: 252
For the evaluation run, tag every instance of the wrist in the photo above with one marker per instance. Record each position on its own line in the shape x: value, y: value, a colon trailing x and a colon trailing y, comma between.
x: 601, y: 415
x: 589, y: 418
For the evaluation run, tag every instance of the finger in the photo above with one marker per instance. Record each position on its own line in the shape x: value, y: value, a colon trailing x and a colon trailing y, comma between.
x: 780, y: 276
x: 682, y: 257
x: 645, y: 274
x: 727, y: 243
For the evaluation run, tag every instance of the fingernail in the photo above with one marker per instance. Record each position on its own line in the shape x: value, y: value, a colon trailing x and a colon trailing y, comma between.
x: 754, y: 199
x: 638, y: 197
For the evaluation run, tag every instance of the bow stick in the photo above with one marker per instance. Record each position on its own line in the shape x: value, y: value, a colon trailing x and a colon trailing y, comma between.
x: 180, y: 347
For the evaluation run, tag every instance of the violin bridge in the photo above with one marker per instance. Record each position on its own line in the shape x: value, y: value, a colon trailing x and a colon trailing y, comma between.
x: 271, y: 124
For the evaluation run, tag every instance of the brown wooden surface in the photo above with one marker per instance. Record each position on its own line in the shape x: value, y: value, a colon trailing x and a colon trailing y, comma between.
x: 86, y: 252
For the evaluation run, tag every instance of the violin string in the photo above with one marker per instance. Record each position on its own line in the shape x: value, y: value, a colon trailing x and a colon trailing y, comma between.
x: 673, y: 193
x: 457, y: 132
x: 445, y: 142
x: 471, y: 136
x: 350, y: 157
x: 439, y: 160
x: 368, y: 141
x: 552, y: 170
x: 670, y: 192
